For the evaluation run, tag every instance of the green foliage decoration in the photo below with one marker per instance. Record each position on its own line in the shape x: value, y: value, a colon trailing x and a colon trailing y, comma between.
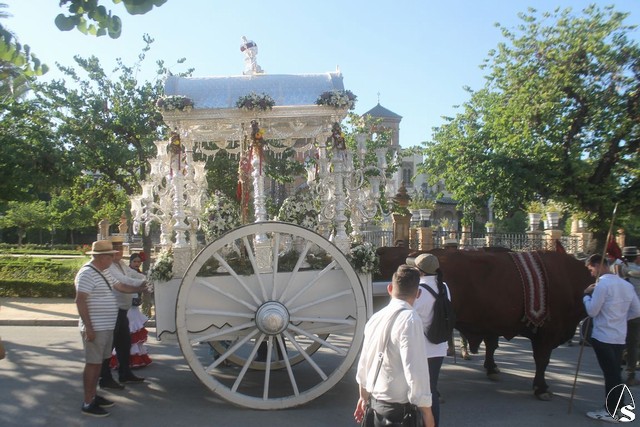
x: 162, y: 269
x: 255, y: 102
x: 220, y: 215
x: 338, y: 99
x: 302, y: 209
x: 362, y: 256
x: 174, y: 102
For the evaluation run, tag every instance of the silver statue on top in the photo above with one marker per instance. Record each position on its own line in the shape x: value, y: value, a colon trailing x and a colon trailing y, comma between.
x: 250, y: 50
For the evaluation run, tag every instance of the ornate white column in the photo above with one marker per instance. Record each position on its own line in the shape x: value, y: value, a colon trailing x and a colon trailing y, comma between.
x: 325, y: 184
x: 264, y: 251
x: 340, y: 239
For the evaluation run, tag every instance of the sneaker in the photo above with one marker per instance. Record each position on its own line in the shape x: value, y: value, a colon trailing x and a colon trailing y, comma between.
x: 111, y: 384
x: 131, y: 379
x: 602, y: 415
x: 102, y: 402
x: 631, y: 380
x: 93, y: 410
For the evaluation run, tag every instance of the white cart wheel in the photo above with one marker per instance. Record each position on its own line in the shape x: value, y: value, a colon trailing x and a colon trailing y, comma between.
x: 254, y: 312
x: 238, y: 359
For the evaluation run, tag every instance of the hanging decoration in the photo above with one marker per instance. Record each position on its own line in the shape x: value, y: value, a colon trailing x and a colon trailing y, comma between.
x: 176, y: 153
x: 338, y: 137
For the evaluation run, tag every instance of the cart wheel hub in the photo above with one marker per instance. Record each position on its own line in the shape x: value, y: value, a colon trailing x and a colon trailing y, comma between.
x: 272, y: 318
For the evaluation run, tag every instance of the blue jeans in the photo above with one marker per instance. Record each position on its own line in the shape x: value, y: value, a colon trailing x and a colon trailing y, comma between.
x: 435, y: 363
x: 609, y: 358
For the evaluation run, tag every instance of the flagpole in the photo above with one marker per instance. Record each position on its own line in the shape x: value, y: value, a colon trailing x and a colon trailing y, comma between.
x: 604, y: 253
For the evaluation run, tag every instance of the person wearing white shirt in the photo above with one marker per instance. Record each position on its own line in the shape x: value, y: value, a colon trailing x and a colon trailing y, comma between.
x: 630, y: 271
x: 610, y: 302
x: 431, y: 276
x: 404, y: 376
x: 121, y: 334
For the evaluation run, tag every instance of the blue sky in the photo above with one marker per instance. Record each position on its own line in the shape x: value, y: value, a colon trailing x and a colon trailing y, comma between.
x: 417, y: 54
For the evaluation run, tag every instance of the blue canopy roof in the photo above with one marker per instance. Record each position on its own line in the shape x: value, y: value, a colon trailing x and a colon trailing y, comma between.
x: 224, y: 91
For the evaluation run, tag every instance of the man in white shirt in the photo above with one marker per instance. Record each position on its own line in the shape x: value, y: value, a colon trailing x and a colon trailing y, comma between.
x: 431, y: 276
x: 610, y: 302
x: 404, y: 377
x: 630, y: 271
x: 121, y: 333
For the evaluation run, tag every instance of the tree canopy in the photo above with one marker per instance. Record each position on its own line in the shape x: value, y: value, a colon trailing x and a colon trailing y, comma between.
x: 558, y: 118
x: 108, y: 123
x: 92, y: 18
x: 32, y: 159
x: 17, y: 63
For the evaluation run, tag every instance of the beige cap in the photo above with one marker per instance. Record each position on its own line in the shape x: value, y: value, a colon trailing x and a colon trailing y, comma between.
x: 427, y: 263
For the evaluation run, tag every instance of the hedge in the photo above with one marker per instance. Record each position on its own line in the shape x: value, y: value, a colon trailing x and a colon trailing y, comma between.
x: 28, y: 289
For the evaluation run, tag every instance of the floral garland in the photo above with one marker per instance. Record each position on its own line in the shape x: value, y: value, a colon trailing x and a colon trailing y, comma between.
x: 338, y: 99
x: 253, y: 101
x: 363, y: 258
x: 174, y: 102
x: 162, y: 269
x: 301, y: 208
x: 220, y: 215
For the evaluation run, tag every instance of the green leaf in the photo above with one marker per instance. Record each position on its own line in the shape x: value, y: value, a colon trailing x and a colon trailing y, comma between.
x: 64, y: 23
x: 115, y: 27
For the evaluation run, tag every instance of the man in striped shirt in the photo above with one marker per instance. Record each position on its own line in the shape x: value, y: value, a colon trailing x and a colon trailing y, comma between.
x: 98, y: 311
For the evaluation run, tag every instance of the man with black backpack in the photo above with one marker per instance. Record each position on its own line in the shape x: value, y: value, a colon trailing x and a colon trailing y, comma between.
x: 434, y: 306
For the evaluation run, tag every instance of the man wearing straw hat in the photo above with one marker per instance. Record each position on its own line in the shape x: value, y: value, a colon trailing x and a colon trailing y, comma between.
x: 98, y: 311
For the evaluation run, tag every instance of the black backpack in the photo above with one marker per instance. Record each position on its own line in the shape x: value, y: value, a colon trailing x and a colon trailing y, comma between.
x: 444, y: 318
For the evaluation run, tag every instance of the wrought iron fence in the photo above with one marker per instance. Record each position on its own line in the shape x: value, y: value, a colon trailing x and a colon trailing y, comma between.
x: 379, y: 238
x: 512, y: 241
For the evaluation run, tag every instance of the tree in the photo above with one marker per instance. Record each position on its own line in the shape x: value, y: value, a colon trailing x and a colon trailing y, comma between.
x: 90, y: 17
x: 24, y: 216
x: 109, y: 124
x: 32, y: 160
x: 559, y: 117
x: 18, y: 65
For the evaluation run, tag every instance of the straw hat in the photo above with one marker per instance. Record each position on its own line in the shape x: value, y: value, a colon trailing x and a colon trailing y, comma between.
x: 630, y: 251
x: 101, y: 247
x: 427, y: 263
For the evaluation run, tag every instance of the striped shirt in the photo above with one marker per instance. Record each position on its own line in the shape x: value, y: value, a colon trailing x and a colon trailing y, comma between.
x: 103, y: 309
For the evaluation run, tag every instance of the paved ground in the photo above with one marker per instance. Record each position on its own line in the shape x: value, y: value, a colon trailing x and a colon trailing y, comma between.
x: 38, y: 311
x: 40, y: 384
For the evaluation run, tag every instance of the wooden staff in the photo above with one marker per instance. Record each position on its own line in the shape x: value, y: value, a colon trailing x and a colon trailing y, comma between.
x: 604, y: 253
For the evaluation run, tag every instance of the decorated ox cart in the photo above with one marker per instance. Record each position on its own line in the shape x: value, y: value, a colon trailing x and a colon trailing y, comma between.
x: 271, y: 314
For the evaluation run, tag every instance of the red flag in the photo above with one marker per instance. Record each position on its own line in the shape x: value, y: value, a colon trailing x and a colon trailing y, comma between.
x: 559, y: 247
x: 613, y: 250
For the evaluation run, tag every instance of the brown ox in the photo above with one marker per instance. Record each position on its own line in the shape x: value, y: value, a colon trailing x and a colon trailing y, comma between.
x: 488, y: 297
